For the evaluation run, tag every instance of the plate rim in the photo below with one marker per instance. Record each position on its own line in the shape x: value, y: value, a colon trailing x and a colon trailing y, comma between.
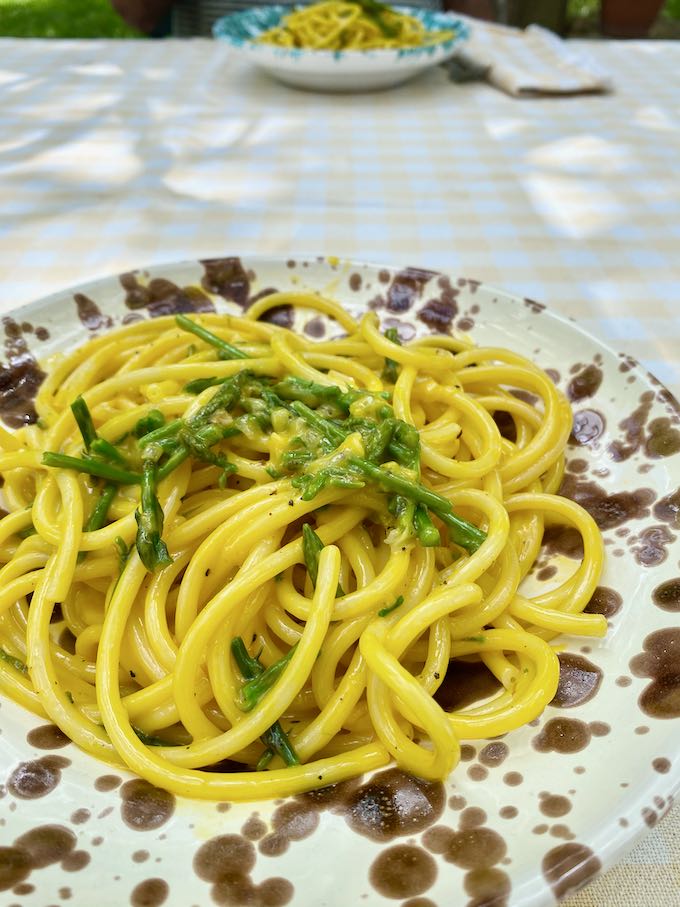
x: 421, y: 53
x: 612, y: 841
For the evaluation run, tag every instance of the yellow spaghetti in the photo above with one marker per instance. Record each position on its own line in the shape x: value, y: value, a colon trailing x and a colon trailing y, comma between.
x: 351, y: 25
x: 228, y: 542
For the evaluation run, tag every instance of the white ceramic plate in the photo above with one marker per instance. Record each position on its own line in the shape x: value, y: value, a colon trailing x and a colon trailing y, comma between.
x: 337, y: 70
x: 522, y: 819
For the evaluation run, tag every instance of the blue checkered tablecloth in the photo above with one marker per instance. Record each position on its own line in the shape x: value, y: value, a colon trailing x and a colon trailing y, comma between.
x: 116, y: 155
x: 119, y: 154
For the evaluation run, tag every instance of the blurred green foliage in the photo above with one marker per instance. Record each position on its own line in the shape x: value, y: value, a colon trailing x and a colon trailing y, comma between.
x: 579, y: 9
x: 97, y: 19
x: 62, y: 19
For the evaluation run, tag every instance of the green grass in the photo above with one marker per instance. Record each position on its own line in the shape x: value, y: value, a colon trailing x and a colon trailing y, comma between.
x: 62, y: 19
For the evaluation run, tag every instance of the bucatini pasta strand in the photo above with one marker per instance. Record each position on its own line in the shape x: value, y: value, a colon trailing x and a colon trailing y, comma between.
x: 268, y: 549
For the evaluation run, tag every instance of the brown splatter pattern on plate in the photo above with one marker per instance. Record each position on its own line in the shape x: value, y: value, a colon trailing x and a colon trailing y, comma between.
x: 91, y: 316
x: 20, y: 378
x: 384, y: 809
x: 35, y: 849
x: 145, y: 807
x: 667, y: 595
x: 585, y: 383
x: 163, y: 297
x: 47, y: 737
x: 227, y: 278
x: 392, y: 804
x: 567, y: 735
x: 478, y: 850
x: 588, y: 427
x: 37, y: 778
x: 150, y: 893
x: 227, y: 862
x: 569, y: 866
x: 660, y: 661
x: 579, y: 682
x: 402, y: 871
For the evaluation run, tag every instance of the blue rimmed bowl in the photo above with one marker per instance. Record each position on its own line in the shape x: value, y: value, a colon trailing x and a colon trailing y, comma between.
x: 343, y: 70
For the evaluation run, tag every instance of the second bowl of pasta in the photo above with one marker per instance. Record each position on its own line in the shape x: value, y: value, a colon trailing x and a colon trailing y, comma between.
x: 343, y: 45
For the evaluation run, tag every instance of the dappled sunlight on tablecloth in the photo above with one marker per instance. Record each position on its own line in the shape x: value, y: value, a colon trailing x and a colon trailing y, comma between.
x: 576, y: 208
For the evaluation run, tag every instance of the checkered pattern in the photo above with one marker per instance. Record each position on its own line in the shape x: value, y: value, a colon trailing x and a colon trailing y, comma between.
x: 115, y: 155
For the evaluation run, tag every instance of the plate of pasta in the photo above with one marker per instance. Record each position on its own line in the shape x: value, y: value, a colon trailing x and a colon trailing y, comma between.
x: 317, y: 570
x: 343, y: 45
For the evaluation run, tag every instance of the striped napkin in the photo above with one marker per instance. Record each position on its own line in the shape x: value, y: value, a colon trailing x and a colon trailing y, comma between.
x: 530, y: 62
